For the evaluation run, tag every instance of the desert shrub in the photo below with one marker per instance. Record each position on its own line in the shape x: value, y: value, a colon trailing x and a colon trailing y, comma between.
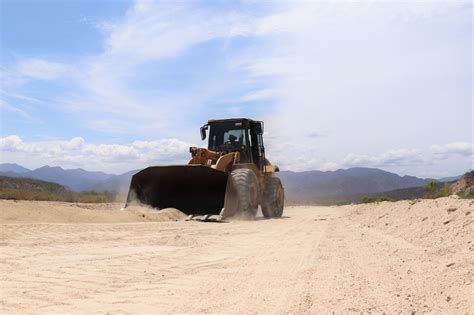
x: 466, y: 194
x: 295, y: 202
x: 435, y: 190
x: 431, y: 190
x: 445, y: 191
x: 342, y: 202
x: 94, y: 197
x: 373, y: 199
x: 367, y: 200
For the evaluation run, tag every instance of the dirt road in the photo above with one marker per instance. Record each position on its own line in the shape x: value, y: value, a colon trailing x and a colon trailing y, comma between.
x: 315, y: 259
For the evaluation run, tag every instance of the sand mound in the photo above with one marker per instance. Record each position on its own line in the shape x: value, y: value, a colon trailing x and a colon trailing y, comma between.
x: 12, y: 211
x: 403, y: 258
x: 440, y: 235
x: 150, y: 214
x: 443, y: 223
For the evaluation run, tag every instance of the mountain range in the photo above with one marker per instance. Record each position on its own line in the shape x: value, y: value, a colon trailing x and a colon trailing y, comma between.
x: 344, y: 183
x: 75, y: 179
x: 302, y: 186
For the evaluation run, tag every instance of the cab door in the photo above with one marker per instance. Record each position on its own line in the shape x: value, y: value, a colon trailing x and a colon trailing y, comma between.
x: 258, y: 150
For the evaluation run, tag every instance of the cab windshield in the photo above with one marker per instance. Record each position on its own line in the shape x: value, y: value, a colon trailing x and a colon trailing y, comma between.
x: 228, y: 136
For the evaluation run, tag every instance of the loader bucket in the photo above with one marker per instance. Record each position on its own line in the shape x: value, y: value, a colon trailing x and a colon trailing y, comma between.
x: 193, y: 189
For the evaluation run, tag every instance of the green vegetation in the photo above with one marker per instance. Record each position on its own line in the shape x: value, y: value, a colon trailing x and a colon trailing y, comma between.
x: 466, y: 194
x: 445, y: 190
x: 464, y: 187
x: 372, y: 199
x: 437, y: 190
x: 32, y: 189
x: 317, y: 202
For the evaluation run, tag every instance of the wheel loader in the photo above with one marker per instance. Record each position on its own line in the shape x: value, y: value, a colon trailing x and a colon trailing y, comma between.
x: 231, y: 177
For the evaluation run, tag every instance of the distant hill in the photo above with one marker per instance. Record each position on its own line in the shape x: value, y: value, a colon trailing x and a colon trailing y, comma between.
x: 33, y: 189
x: 450, y: 179
x: 13, y: 168
x: 405, y: 193
x: 395, y: 195
x: 343, y: 184
x: 28, y: 184
x: 75, y: 179
x: 402, y: 194
x: 309, y: 186
x: 118, y: 183
x: 464, y: 186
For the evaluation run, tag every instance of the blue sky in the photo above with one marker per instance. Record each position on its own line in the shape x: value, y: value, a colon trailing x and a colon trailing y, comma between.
x: 118, y: 85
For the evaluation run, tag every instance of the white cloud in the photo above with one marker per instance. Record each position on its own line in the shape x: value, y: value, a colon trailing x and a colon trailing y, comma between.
x: 22, y: 97
x: 41, y: 69
x: 165, y: 29
x: 259, y: 95
x: 76, y: 152
x: 8, y: 107
x: 454, y: 148
x: 103, y: 87
x: 120, y: 158
x: 30, y: 69
x: 400, y: 157
x: 313, y: 160
x: 366, y: 74
x: 149, y: 34
x: 12, y: 143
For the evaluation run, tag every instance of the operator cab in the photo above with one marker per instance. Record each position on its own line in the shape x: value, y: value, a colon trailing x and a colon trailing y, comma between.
x: 237, y: 135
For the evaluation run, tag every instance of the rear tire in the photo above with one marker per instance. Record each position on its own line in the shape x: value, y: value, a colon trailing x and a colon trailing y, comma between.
x: 273, y: 198
x: 245, y: 193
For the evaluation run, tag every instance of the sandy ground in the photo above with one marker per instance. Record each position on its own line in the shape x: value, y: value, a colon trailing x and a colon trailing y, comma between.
x: 386, y: 257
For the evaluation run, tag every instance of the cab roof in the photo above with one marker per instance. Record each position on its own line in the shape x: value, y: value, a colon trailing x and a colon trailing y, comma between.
x: 210, y: 121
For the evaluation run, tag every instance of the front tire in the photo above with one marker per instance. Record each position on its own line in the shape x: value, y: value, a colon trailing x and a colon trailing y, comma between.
x: 245, y: 193
x: 273, y: 198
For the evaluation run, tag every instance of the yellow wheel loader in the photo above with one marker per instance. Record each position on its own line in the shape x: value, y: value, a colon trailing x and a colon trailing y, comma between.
x: 231, y: 177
